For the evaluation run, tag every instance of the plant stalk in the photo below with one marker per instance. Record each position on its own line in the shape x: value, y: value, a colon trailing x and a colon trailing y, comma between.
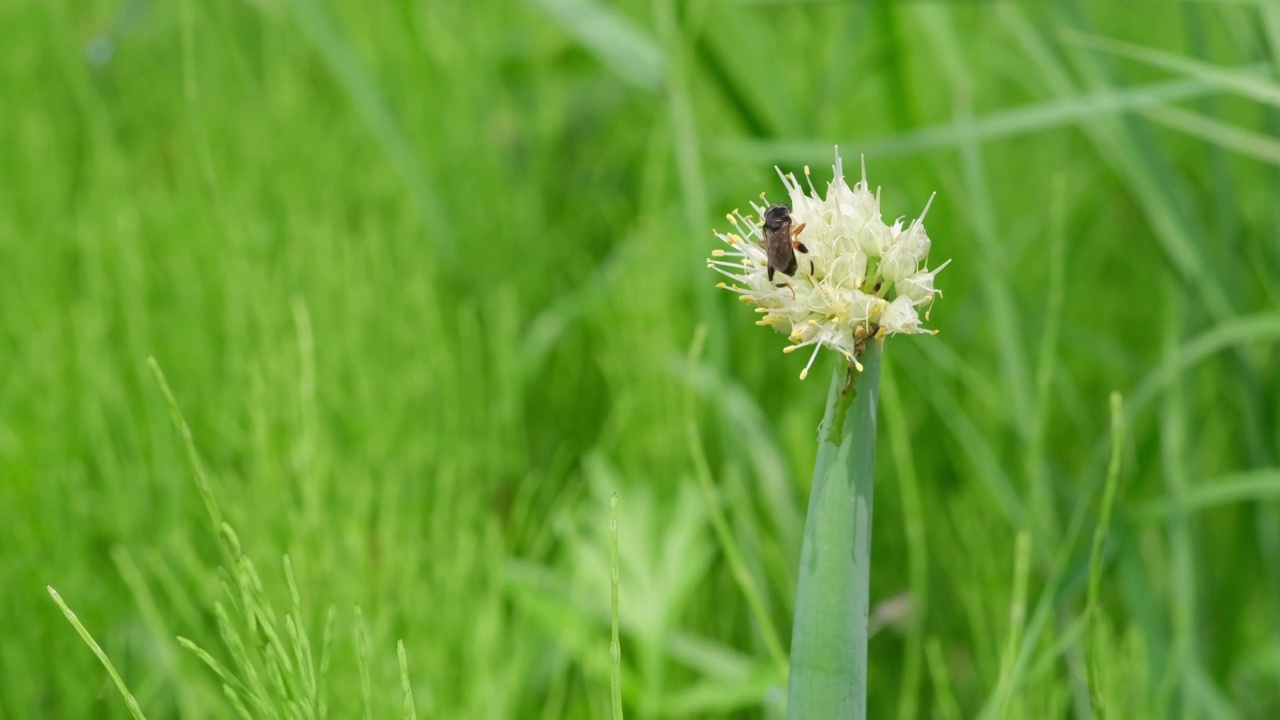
x: 829, y: 632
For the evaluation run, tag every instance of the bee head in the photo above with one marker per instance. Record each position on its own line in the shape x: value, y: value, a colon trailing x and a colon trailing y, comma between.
x: 777, y: 216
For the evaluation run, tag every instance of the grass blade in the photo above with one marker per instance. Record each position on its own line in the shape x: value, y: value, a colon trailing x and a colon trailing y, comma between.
x: 829, y: 635
x: 615, y: 647
x: 410, y: 709
x: 1255, y: 145
x: 1095, y: 558
x: 129, y: 700
x: 1077, y: 109
x: 1255, y: 88
x: 1017, y: 622
x: 1261, y: 485
x: 362, y: 660
x: 193, y: 456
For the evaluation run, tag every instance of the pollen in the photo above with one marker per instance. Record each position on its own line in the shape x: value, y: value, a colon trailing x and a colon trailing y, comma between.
x: 875, y: 277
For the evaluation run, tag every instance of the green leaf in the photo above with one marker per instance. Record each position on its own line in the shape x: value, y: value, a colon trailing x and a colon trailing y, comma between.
x: 829, y: 635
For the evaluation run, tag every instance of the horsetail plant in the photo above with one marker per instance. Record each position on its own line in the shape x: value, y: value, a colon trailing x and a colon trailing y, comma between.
x: 829, y: 272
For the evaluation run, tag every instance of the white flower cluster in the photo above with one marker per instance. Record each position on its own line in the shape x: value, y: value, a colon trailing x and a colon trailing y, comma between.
x: 856, y: 276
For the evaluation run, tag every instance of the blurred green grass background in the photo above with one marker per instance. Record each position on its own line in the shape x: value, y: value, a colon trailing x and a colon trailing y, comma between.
x: 427, y: 281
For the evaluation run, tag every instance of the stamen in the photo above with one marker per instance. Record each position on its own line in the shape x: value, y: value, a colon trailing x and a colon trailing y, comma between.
x: 805, y: 372
x: 809, y: 179
x: 727, y: 274
x: 717, y: 253
x: 725, y: 263
x: 751, y: 228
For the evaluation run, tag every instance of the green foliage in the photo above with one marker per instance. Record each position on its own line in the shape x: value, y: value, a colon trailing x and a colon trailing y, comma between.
x: 426, y: 280
x: 828, y: 676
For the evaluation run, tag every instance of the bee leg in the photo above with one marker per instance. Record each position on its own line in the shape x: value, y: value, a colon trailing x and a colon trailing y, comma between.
x: 770, y: 271
x: 848, y: 379
x: 795, y: 232
x: 799, y: 246
x: 812, y: 270
x: 787, y: 286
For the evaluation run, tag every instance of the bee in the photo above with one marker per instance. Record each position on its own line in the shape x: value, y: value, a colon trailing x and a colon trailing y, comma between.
x: 781, y: 244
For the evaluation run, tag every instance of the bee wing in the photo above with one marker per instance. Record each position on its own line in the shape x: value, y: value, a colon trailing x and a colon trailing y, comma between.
x: 782, y: 256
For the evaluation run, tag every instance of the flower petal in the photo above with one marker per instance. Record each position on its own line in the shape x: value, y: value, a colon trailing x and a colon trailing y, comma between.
x: 900, y: 317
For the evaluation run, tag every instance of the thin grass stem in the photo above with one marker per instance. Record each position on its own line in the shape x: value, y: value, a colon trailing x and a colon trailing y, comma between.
x: 129, y: 700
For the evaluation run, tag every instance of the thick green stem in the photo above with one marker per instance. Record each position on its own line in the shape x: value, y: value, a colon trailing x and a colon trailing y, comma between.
x: 829, y: 633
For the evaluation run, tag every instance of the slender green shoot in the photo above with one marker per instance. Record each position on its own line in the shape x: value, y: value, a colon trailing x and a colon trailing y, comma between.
x: 1095, y: 559
x: 1017, y: 621
x: 129, y: 700
x: 945, y: 703
x: 203, y: 485
x: 410, y: 710
x: 326, y: 645
x: 615, y: 646
x: 1262, y: 485
x: 362, y: 659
